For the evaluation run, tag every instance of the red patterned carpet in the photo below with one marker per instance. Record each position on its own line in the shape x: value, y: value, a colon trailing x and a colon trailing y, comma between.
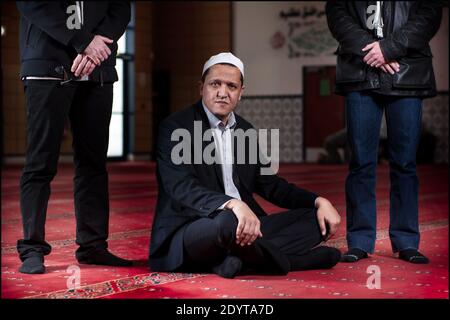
x: 132, y: 200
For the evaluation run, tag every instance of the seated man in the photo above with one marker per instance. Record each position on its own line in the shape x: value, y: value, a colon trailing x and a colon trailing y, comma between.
x: 206, y: 217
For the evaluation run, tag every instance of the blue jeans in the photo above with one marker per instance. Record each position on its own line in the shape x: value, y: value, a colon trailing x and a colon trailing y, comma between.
x: 364, y: 113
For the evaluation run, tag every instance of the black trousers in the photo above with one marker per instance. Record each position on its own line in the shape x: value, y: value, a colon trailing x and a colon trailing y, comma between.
x: 287, y: 236
x: 88, y: 105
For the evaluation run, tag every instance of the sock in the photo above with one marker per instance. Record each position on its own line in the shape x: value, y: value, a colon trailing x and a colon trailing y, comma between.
x: 413, y: 256
x: 229, y: 267
x: 33, y: 265
x: 104, y: 257
x: 353, y: 255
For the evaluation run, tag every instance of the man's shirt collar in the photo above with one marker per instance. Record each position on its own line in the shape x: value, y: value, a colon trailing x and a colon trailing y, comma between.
x: 216, y: 123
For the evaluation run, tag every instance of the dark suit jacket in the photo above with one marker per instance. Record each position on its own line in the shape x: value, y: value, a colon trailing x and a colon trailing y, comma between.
x: 46, y: 42
x: 187, y: 192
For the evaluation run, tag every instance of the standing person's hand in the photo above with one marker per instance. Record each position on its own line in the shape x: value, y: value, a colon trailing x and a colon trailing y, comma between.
x: 98, y: 49
x: 374, y: 57
x: 390, y: 67
x: 82, y: 65
x: 327, y: 215
x: 248, y: 228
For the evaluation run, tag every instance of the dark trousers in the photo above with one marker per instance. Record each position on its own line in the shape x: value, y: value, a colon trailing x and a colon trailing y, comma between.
x: 364, y: 112
x: 286, y: 236
x: 89, y: 107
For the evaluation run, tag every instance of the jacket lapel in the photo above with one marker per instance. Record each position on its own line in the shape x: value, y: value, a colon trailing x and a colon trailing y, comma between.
x: 200, y: 115
x: 238, y: 169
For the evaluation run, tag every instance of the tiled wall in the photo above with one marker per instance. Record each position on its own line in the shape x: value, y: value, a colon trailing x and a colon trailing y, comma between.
x: 284, y: 113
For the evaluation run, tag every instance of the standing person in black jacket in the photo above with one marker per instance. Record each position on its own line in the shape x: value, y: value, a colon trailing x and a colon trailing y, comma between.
x: 384, y: 64
x: 68, y: 71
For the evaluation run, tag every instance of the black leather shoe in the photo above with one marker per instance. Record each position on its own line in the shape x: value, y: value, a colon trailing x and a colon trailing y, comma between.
x: 104, y: 257
x: 229, y: 267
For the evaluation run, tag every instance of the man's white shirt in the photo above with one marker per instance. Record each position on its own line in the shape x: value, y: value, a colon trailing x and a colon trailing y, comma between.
x: 222, y: 140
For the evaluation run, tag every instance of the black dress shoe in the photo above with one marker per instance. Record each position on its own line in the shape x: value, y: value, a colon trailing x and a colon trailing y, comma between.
x: 413, y: 256
x: 229, y: 267
x: 353, y: 255
x: 33, y: 265
x: 105, y: 258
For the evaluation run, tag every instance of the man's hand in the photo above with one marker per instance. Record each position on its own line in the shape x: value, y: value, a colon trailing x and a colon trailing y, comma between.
x: 327, y: 215
x: 98, y: 50
x: 375, y: 57
x: 390, y: 67
x: 248, y: 228
x: 82, y: 65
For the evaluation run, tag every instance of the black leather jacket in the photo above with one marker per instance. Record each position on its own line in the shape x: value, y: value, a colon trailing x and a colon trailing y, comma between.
x: 46, y: 43
x: 408, y: 28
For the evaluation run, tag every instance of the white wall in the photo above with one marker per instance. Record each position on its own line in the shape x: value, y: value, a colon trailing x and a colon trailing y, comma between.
x: 270, y: 71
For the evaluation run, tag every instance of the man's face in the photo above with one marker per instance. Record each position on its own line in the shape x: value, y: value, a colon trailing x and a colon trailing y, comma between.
x: 222, y: 90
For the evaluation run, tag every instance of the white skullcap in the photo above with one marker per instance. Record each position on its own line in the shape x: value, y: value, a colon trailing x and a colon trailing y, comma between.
x: 224, y: 57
